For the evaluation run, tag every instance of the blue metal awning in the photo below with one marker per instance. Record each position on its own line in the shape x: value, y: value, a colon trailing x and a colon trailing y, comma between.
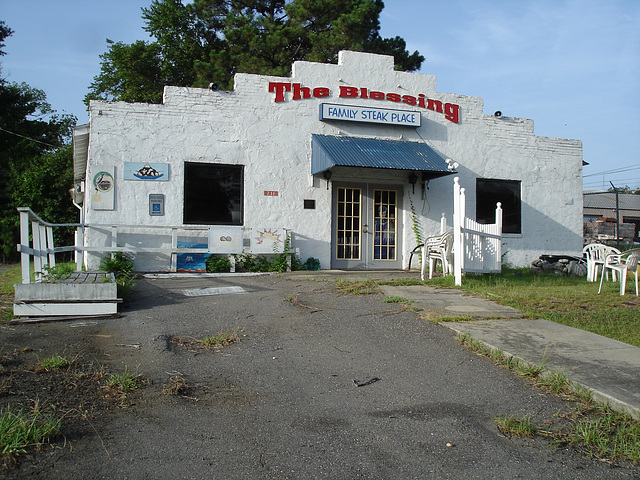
x: 329, y: 151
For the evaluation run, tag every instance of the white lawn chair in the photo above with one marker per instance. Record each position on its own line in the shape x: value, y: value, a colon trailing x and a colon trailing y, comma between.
x: 437, y: 248
x: 622, y: 263
x: 595, y: 254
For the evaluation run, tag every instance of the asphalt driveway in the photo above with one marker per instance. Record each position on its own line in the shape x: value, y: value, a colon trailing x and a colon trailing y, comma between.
x: 284, y: 402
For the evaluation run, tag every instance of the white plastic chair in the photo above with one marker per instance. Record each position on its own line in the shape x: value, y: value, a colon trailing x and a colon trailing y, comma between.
x: 437, y: 248
x: 621, y: 263
x: 595, y: 254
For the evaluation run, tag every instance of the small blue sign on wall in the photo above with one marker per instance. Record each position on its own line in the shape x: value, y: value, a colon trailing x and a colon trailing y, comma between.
x: 158, y: 172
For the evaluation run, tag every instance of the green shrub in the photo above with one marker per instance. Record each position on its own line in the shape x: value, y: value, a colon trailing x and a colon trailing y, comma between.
x: 311, y: 264
x: 119, y: 263
x: 218, y: 263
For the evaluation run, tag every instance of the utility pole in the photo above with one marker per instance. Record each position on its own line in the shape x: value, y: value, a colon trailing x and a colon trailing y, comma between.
x: 617, y: 216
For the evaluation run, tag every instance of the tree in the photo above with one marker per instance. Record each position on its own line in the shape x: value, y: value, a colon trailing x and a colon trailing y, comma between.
x: 4, y: 33
x: 32, y: 136
x: 626, y: 189
x: 208, y: 41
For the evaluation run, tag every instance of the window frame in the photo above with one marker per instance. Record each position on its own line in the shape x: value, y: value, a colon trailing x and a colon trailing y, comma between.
x: 489, y: 191
x: 193, y: 214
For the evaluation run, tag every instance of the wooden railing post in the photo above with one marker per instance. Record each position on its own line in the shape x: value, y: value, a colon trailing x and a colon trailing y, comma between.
x: 173, y: 266
x: 79, y: 254
x: 51, y: 247
x: 37, y: 259
x: 25, y: 260
x: 458, y: 254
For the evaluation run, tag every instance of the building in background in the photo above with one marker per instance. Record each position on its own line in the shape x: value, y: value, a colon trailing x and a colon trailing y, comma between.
x: 355, y: 160
x: 605, y: 212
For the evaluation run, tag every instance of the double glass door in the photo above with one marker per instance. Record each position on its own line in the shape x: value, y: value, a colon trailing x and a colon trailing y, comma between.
x: 365, y: 226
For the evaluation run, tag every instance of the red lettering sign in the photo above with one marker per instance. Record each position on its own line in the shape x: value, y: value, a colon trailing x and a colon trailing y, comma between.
x: 451, y: 111
x: 270, y: 193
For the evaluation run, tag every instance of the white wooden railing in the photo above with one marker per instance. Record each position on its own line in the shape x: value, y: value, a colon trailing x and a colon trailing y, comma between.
x: 477, y: 247
x: 36, y: 242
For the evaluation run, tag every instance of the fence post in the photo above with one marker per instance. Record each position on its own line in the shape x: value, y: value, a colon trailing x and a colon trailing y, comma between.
x: 51, y: 247
x: 37, y: 259
x: 78, y: 253
x: 25, y: 261
x: 173, y: 267
x: 457, y: 233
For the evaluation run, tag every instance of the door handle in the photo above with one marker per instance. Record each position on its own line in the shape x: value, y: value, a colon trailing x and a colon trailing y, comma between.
x: 365, y: 229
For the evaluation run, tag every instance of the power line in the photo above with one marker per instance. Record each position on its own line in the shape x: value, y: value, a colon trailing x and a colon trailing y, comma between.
x: 617, y: 170
x: 28, y: 138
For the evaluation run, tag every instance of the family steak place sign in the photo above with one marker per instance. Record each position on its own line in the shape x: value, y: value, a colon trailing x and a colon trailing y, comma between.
x: 329, y: 111
x: 296, y: 91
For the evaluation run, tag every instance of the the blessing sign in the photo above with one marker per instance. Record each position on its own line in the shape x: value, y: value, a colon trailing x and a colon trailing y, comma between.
x: 351, y: 113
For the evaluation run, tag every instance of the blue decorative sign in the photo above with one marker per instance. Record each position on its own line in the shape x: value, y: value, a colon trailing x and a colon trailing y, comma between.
x: 352, y: 113
x: 146, y: 171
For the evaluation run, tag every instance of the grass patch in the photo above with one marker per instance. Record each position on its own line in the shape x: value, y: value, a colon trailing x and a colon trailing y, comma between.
x: 396, y: 299
x: 602, y: 433
x: 20, y: 431
x: 222, y: 339
x: 365, y: 287
x: 516, y: 427
x: 124, y: 383
x: 570, y: 301
x: 9, y: 276
x: 55, y: 362
x: 594, y: 429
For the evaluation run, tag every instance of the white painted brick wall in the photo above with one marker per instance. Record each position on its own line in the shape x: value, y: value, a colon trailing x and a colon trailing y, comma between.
x: 273, y: 141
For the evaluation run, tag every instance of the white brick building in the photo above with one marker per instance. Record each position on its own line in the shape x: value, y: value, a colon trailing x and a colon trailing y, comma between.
x: 340, y: 155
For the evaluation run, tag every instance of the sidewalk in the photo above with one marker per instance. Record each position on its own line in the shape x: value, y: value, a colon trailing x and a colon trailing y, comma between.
x: 610, y: 369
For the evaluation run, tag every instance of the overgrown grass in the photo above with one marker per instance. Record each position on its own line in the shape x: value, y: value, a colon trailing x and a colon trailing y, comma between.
x: 365, y: 287
x: 516, y: 427
x: 9, y: 276
x: 125, y: 382
x: 54, y: 362
x: 21, y: 430
x: 569, y: 301
x: 593, y: 428
x: 396, y: 299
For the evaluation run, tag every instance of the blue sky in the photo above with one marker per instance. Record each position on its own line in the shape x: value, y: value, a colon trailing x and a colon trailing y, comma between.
x: 573, y: 66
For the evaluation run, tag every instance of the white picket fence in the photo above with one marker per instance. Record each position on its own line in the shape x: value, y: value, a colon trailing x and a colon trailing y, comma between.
x: 476, y: 247
x: 37, y: 245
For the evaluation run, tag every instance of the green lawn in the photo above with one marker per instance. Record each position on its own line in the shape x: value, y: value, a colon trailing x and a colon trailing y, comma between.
x: 570, y: 301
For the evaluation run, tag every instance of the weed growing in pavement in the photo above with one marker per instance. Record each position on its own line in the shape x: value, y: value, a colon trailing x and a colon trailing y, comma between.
x: 21, y: 430
x: 222, y: 339
x: 55, y: 362
x: 396, y: 299
x: 176, y: 385
x: 516, y: 427
x: 595, y: 429
x: 125, y: 382
x: 365, y: 287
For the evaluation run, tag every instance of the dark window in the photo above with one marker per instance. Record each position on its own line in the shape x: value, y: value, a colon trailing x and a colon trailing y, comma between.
x: 489, y: 192
x: 310, y: 204
x: 213, y: 194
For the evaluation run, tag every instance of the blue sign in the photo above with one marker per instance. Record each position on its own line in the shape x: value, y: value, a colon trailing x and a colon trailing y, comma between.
x: 352, y: 113
x: 146, y: 171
